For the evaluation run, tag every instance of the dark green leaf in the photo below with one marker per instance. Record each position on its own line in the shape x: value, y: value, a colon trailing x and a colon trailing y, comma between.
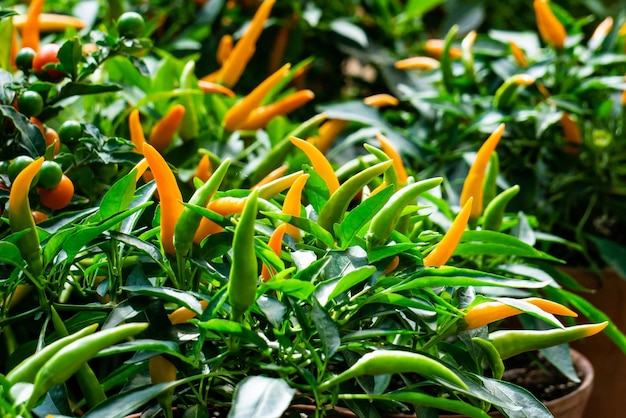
x: 520, y: 403
x: 31, y: 139
x: 9, y: 253
x: 227, y: 327
x: 81, y: 89
x: 612, y: 253
x: 351, y: 279
x: 326, y: 329
x: 362, y: 214
x: 179, y: 297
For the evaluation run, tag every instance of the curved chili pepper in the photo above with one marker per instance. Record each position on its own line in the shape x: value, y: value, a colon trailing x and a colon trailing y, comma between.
x: 163, y: 131
x: 391, y: 175
x: 271, y: 176
x: 395, y: 262
x: 510, y: 343
x: 183, y: 314
x: 571, y: 133
x: 261, y: 116
x: 203, y: 171
x: 417, y: 63
x: 518, y: 54
x: 21, y: 218
x: 237, y: 60
x: 292, y: 205
x: 163, y: 371
x: 490, y: 186
x: 467, y: 54
x: 271, y: 189
x: 224, y: 206
x: 337, y: 205
x: 51, y: 22
x: 488, y: 312
x: 385, y: 221
x: 327, y: 133
x: 274, y: 243
x: 443, y: 251
x: 224, y: 48
x: 389, y: 149
x: 320, y: 163
x: 504, y: 97
x: 473, y: 185
x: 494, y: 212
x: 381, y: 100
x: 30, y: 31
x: 492, y: 355
x: 136, y: 131
x: 435, y: 48
x: 395, y: 361
x: 237, y: 115
x: 244, y: 276
x: 140, y: 168
x: 190, y: 126
x: 211, y: 87
x: 189, y: 220
x: 169, y: 195
x: 550, y: 28
x: 447, y: 56
x: 62, y: 365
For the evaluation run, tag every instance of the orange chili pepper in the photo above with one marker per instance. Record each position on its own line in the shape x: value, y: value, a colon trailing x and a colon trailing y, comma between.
x: 275, y: 243
x: 141, y: 168
x: 488, y: 312
x: 327, y: 133
x: 182, y: 315
x: 272, y: 188
x: 392, y: 265
x: 518, y: 54
x: 210, y: 87
x: 381, y: 100
x: 434, y: 48
x: 224, y: 48
x: 14, y: 48
x: 237, y: 115
x: 237, y: 60
x: 51, y: 22
x: 320, y: 163
x: 273, y: 175
x: 30, y: 31
x: 417, y: 63
x: 550, y: 28
x: 395, y: 157
x: 292, y: 205
x: 224, y: 206
x: 169, y: 195
x: 280, y: 43
x: 601, y: 31
x: 572, y: 134
x: 473, y: 185
x: 380, y: 187
x: 261, y: 116
x: 163, y: 131
x: 203, y: 171
x: 443, y: 251
x: 136, y: 131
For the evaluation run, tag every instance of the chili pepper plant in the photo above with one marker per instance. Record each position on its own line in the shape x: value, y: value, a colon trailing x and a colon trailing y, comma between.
x: 175, y: 241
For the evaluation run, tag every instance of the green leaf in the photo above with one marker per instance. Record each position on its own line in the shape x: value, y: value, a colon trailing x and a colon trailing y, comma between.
x: 261, y: 397
x: 70, y: 56
x: 306, y: 225
x: 326, y: 329
x: 380, y: 253
x: 349, y: 31
x: 227, y: 327
x: 520, y: 403
x: 297, y: 288
x: 160, y: 346
x: 82, y: 89
x: 612, y: 253
x: 31, y: 139
x: 351, y: 279
x: 362, y: 214
x: 118, y: 197
x: 171, y: 295
x: 496, y: 243
x: 10, y: 253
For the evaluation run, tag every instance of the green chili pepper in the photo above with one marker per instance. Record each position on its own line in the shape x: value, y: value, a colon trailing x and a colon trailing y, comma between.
x: 87, y: 381
x: 492, y: 355
x: 28, y: 368
x: 394, y: 361
x: 494, y: 212
x: 189, y: 220
x: 446, y: 60
x: 21, y: 218
x: 467, y: 55
x: 384, y: 222
x: 490, y: 186
x: 190, y: 127
x: 510, y: 343
x: 62, y: 365
x: 337, y: 204
x: 504, y: 97
x: 390, y: 176
x: 244, y: 274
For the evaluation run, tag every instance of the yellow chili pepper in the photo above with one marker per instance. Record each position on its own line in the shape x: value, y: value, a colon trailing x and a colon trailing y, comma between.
x: 141, y: 168
x: 518, y: 54
x: 473, y: 185
x: 224, y: 206
x: 380, y: 187
x: 550, y: 28
x: 273, y: 175
x: 210, y: 87
x: 224, y: 48
x: 434, y: 48
x: 275, y: 243
x: 488, y: 312
x: 163, y: 131
x: 327, y: 133
x: 292, y: 205
x: 601, y: 31
x: 203, y: 171
x: 50, y: 22
x: 237, y: 60
x: 417, y: 63
x: 386, y: 145
x: 572, y: 134
x: 261, y: 116
x: 381, y: 100
x: 182, y: 315
x: 169, y: 196
x: 237, y: 115
x: 30, y: 31
x: 320, y: 163
x: 443, y: 251
x: 136, y: 131
x: 272, y: 188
